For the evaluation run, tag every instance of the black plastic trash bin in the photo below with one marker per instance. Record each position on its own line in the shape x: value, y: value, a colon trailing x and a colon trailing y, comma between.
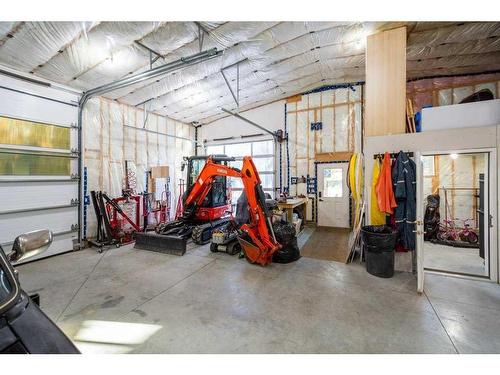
x: 379, y: 243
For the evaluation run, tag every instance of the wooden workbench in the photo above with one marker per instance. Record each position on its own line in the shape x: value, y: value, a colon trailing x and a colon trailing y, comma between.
x: 290, y: 204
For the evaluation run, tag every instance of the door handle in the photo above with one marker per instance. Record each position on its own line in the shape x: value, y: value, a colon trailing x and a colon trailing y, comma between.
x: 319, y: 194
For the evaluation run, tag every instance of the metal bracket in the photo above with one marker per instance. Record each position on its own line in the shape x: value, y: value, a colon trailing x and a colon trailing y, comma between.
x: 75, y: 176
x: 74, y: 151
x: 280, y: 136
x: 201, y: 35
x: 75, y: 202
x: 234, y: 95
x: 77, y: 245
x: 74, y: 227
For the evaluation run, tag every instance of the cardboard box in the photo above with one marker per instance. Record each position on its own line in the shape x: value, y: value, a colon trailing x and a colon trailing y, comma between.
x: 160, y: 171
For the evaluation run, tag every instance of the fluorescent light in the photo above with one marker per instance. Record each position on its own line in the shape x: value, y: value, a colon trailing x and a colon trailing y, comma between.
x: 360, y: 43
x: 454, y: 156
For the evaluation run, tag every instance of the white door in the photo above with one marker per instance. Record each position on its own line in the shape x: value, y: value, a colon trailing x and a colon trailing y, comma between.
x: 419, y: 227
x: 333, y: 195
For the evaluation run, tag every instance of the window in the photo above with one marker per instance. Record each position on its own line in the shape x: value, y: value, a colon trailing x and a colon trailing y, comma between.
x: 238, y: 149
x: 332, y: 182
x: 262, y: 153
x: 267, y: 181
x: 236, y: 183
x: 215, y: 150
x: 18, y: 164
x: 236, y: 164
x: 264, y: 164
x: 263, y: 148
x: 195, y: 171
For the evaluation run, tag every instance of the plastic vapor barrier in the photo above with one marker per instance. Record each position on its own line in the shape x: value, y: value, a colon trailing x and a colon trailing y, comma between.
x: 116, y: 132
x: 321, y: 122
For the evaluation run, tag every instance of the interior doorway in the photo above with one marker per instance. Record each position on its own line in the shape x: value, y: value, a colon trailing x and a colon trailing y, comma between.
x: 333, y: 195
x: 456, y: 213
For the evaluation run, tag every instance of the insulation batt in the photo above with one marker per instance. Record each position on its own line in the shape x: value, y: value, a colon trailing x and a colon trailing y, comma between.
x: 276, y: 59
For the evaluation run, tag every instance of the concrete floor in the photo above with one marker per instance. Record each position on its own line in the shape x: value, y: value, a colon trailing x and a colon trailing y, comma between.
x: 127, y: 300
x: 453, y: 259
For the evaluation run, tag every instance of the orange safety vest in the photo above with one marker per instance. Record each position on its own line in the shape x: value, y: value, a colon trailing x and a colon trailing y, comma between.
x: 376, y: 217
x: 385, y: 194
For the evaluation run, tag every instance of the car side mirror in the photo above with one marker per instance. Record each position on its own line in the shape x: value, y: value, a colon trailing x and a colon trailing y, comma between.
x: 30, y: 244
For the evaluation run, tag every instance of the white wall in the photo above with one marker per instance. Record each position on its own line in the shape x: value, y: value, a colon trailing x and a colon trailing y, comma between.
x: 484, y: 113
x: 270, y: 116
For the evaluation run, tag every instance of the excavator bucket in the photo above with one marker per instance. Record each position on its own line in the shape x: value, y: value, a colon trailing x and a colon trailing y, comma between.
x: 252, y: 253
x: 174, y: 245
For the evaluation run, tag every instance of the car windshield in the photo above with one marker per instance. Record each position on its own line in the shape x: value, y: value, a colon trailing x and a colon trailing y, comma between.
x: 5, y: 286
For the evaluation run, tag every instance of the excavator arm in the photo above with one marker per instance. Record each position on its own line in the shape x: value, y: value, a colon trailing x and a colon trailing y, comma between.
x: 259, y: 244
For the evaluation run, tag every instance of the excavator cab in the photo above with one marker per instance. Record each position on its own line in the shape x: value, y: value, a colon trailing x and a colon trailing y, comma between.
x: 219, y: 195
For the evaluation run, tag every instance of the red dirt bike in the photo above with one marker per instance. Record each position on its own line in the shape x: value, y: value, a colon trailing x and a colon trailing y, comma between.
x: 449, y: 232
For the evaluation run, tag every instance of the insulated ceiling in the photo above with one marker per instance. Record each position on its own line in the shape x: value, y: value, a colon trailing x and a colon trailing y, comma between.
x: 273, y: 60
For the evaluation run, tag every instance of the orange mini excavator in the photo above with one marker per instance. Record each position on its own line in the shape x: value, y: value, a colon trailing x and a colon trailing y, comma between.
x: 257, y: 237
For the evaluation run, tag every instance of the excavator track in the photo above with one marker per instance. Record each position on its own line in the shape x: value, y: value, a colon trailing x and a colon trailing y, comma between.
x: 202, y: 234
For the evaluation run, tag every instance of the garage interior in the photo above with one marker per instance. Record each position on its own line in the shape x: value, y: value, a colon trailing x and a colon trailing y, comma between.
x: 255, y: 187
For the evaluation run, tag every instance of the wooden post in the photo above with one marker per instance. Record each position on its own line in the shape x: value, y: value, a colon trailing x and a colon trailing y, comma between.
x: 386, y: 83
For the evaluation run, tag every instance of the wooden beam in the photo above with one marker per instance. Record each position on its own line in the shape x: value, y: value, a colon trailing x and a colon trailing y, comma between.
x: 386, y: 83
x: 333, y: 156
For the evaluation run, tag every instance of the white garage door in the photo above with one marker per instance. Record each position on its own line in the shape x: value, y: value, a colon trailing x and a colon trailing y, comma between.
x: 262, y: 153
x: 39, y: 156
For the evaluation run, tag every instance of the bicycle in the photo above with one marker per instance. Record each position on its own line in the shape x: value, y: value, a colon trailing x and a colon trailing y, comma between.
x: 449, y: 232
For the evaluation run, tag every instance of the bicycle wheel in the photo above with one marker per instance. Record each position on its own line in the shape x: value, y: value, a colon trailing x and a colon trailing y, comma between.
x: 472, y: 238
x: 442, y: 236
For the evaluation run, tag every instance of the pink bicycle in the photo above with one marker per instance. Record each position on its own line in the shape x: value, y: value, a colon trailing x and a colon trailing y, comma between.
x: 449, y: 232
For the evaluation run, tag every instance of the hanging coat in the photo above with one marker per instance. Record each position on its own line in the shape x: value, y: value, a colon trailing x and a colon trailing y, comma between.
x: 404, y: 180
x: 376, y: 217
x: 385, y: 194
x: 354, y: 182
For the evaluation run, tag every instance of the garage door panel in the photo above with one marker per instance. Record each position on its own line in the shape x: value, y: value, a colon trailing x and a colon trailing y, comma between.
x: 32, y: 108
x: 53, y: 187
x: 36, y: 194
x: 52, y: 92
x: 56, y: 220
